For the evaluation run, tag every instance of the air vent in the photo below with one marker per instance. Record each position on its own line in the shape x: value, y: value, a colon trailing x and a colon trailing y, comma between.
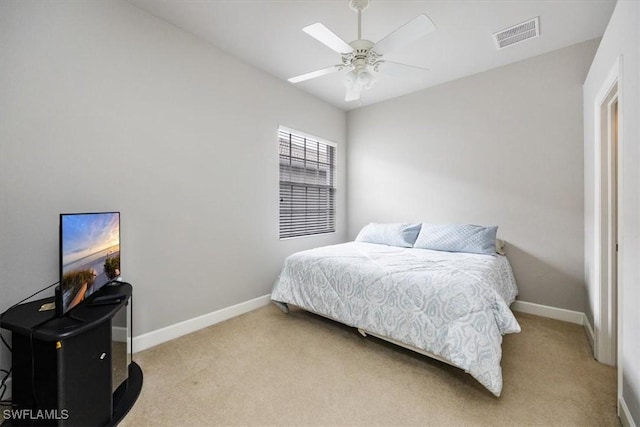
x: 518, y: 33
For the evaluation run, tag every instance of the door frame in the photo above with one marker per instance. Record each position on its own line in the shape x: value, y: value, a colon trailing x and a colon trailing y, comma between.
x: 607, y: 311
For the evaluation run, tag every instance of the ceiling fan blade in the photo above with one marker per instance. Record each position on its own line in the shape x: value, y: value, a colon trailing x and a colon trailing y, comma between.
x: 327, y: 37
x: 353, y: 93
x: 316, y: 73
x: 387, y: 67
x: 411, y: 31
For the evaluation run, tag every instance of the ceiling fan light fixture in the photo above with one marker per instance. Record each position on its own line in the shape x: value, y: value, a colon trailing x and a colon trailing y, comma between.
x: 365, y: 77
x: 360, y: 78
x: 350, y: 79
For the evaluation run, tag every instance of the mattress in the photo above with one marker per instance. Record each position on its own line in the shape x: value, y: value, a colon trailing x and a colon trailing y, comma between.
x: 454, y: 305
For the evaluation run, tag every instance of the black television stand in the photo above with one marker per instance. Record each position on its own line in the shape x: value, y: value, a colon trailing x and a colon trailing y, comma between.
x: 63, y: 367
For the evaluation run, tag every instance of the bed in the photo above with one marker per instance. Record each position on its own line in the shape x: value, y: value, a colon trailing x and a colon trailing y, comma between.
x: 448, y: 305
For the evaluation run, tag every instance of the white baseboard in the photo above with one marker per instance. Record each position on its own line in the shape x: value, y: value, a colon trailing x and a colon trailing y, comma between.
x: 591, y: 336
x: 570, y: 316
x: 151, y: 339
x: 624, y: 414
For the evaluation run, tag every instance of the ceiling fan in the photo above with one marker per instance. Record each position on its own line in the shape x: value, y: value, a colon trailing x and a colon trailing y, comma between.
x: 363, y: 58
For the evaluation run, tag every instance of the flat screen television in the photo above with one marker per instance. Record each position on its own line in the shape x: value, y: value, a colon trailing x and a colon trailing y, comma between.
x: 89, y: 256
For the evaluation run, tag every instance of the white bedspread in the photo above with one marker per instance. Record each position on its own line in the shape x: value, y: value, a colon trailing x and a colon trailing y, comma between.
x: 455, y: 305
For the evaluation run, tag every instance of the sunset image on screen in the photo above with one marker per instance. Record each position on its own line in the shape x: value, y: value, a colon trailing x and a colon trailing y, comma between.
x: 90, y: 254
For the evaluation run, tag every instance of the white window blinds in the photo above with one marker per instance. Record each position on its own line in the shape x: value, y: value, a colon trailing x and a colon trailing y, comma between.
x: 307, y: 185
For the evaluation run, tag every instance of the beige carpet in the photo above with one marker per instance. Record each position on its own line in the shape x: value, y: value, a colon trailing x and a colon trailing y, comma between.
x: 268, y: 368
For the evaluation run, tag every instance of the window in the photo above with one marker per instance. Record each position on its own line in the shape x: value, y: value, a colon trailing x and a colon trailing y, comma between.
x: 307, y: 184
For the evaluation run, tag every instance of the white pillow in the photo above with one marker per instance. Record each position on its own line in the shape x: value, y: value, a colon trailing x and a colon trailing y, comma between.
x: 475, y: 239
x: 402, y: 235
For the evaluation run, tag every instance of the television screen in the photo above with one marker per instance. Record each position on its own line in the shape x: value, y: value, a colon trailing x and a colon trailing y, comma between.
x: 89, y: 255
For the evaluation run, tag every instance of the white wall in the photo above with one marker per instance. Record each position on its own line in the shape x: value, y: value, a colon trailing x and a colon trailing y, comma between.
x: 105, y: 107
x: 502, y: 147
x: 621, y: 38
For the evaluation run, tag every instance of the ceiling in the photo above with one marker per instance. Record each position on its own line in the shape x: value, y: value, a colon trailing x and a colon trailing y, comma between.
x: 268, y: 35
